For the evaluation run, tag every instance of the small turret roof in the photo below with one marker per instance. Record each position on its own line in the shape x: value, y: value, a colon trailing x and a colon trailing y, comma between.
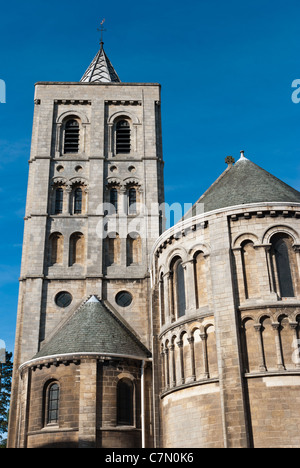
x: 100, y: 70
x: 93, y: 328
x: 244, y: 183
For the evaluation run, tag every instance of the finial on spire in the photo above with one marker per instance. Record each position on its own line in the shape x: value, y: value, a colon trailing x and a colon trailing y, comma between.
x: 102, y: 30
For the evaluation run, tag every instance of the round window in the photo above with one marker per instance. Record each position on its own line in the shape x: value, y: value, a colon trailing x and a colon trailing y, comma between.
x: 63, y: 299
x: 124, y: 299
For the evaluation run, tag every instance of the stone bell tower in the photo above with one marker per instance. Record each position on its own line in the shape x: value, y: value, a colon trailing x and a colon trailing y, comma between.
x: 92, y: 216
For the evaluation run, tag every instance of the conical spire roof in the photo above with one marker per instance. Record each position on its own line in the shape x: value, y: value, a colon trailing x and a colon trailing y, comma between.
x: 100, y: 70
x: 93, y: 328
x: 244, y: 183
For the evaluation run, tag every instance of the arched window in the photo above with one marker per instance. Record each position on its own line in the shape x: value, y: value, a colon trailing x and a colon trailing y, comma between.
x: 59, y: 200
x: 200, y: 280
x: 113, y: 249
x: 133, y: 248
x: 71, y: 143
x: 132, y: 201
x: 114, y: 199
x: 125, y: 403
x: 250, y: 270
x: 283, y: 265
x: 78, y: 201
x: 123, y: 137
x: 53, y: 403
x: 178, y: 288
x: 76, y: 249
x: 56, y: 243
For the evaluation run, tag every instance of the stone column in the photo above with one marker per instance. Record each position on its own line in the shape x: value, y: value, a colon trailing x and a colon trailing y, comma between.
x: 275, y: 327
x: 173, y: 365
x: 192, y: 348
x: 180, y: 346
x: 203, y: 337
x: 296, y: 343
x: 262, y: 365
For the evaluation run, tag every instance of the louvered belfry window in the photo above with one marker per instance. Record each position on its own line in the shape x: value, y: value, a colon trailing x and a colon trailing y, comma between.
x: 123, y: 137
x: 71, y: 137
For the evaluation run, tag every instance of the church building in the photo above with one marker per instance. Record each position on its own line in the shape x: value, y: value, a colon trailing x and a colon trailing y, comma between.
x: 133, y: 336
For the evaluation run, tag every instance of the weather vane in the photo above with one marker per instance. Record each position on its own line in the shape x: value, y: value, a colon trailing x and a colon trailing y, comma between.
x: 102, y: 30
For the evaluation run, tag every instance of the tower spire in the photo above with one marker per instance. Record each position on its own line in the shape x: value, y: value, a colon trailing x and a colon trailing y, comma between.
x: 101, y: 69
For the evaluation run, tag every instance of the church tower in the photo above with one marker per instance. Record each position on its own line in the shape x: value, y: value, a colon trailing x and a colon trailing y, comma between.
x: 82, y: 370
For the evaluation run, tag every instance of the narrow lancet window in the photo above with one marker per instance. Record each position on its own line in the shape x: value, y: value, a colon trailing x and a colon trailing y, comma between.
x: 114, y: 199
x: 59, y: 198
x: 132, y: 201
x: 53, y: 404
x: 78, y: 201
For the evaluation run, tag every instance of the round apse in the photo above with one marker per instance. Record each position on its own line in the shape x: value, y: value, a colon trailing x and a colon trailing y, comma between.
x: 63, y: 299
x: 123, y: 299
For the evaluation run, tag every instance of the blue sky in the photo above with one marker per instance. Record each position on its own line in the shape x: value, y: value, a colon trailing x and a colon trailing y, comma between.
x: 226, y: 70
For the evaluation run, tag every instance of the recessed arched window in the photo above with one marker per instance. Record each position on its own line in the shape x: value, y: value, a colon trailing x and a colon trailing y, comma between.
x: 56, y: 245
x: 53, y: 403
x: 133, y: 248
x: 123, y: 137
x: 284, y: 264
x: 132, y: 201
x: 78, y: 201
x: 125, y: 403
x: 59, y: 200
x: 113, y: 249
x: 114, y: 199
x: 76, y: 249
x: 178, y: 288
x: 71, y: 143
x: 200, y: 279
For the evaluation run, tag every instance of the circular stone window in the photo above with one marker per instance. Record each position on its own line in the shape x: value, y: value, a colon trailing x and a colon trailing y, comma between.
x: 63, y: 299
x: 124, y: 299
x: 132, y: 169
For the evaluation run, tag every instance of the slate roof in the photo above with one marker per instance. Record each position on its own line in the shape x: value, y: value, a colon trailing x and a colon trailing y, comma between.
x: 244, y: 183
x: 93, y: 328
x: 100, y: 70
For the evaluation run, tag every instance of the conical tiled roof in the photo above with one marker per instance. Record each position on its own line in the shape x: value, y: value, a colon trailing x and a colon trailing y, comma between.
x: 93, y: 328
x: 244, y: 183
x: 100, y: 70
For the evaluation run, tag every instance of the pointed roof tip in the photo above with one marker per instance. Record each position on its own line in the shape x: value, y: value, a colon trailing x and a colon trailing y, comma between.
x: 243, y: 157
x: 100, y: 70
x: 93, y: 299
